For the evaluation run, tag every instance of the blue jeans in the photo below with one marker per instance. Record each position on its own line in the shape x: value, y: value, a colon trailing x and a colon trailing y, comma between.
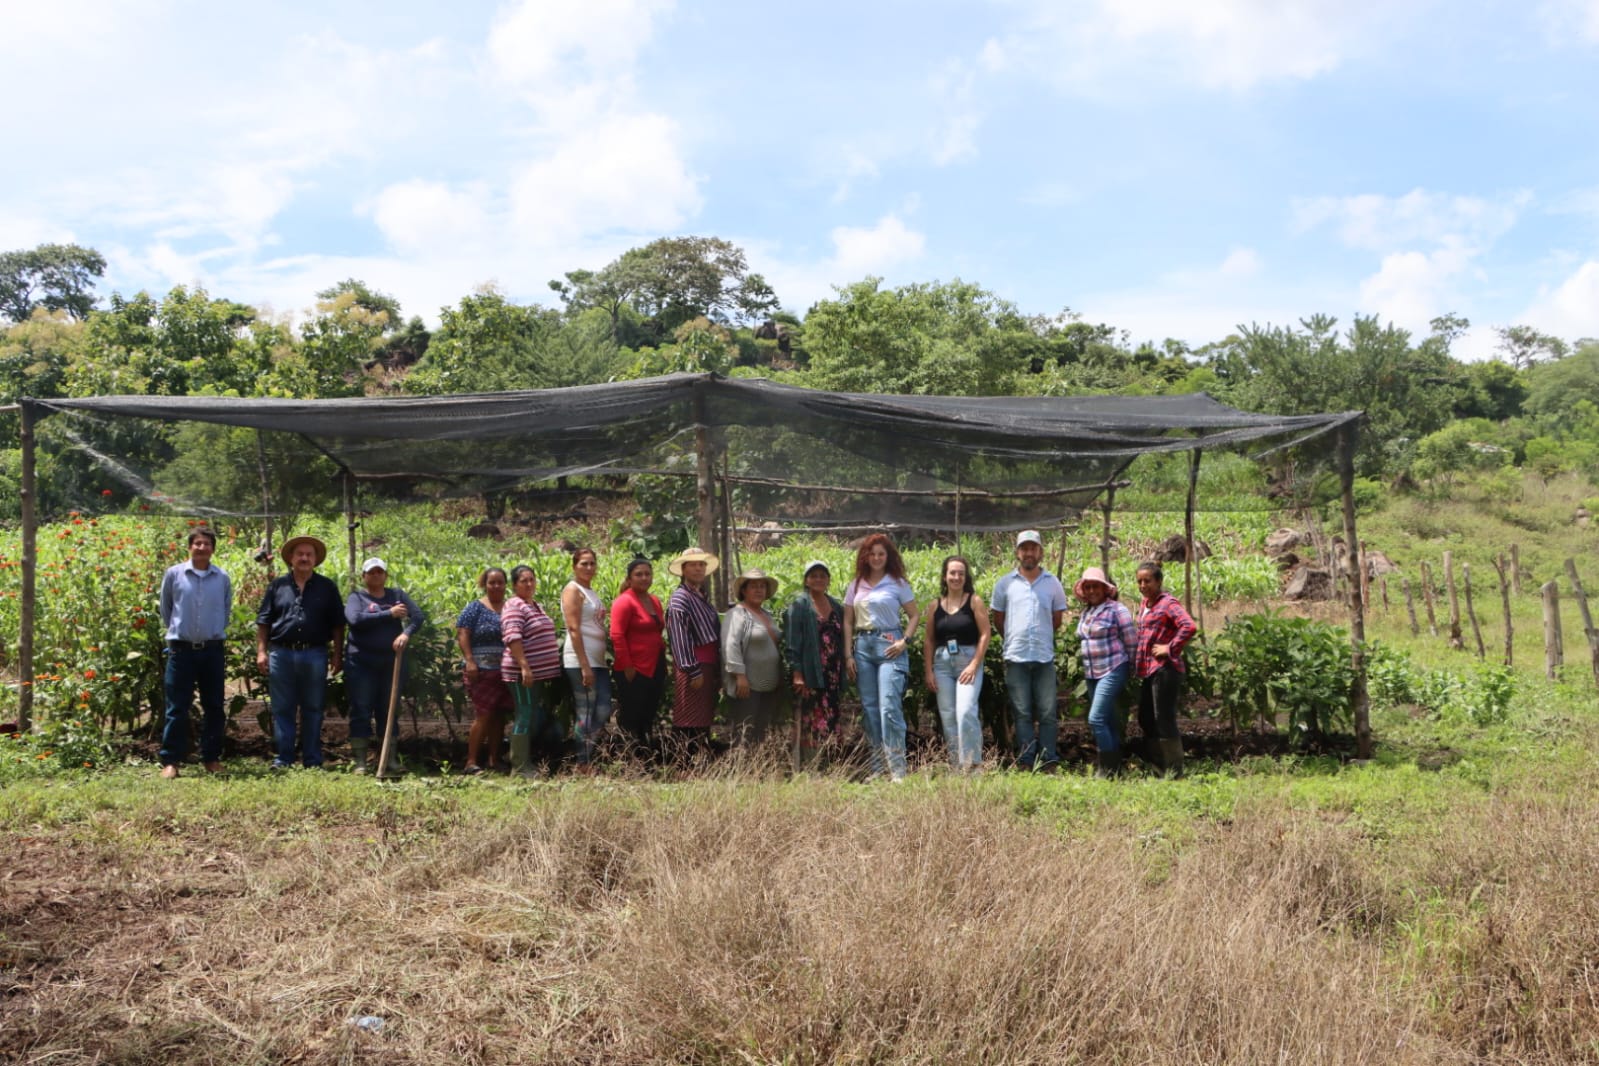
x: 188, y: 669
x: 881, y: 681
x: 957, y: 705
x: 368, y: 679
x: 1103, y: 718
x: 1031, y: 687
x: 593, y: 707
x: 297, y: 686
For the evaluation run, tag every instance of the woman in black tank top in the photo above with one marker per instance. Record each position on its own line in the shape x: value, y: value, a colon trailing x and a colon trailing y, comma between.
x: 956, y: 641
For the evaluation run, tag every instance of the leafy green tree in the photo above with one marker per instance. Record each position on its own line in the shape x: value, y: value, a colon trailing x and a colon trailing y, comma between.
x: 487, y: 344
x: 340, y: 342
x: 1494, y: 390
x: 671, y: 281
x: 942, y: 338
x: 1403, y: 388
x: 1554, y: 389
x: 699, y: 346
x: 1523, y: 346
x: 55, y: 277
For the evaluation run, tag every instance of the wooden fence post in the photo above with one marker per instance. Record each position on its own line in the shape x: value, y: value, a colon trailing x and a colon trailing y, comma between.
x: 1552, y: 656
x: 1587, y: 618
x: 1426, y: 595
x: 1503, y: 569
x: 1471, y: 611
x: 1410, y: 606
x: 1365, y: 576
x: 1382, y: 583
x: 1515, y: 569
x: 1455, y: 639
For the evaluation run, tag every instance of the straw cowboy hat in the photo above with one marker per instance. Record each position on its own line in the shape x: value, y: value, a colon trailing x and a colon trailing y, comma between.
x: 693, y: 555
x: 755, y: 575
x: 287, y: 551
x: 1093, y: 575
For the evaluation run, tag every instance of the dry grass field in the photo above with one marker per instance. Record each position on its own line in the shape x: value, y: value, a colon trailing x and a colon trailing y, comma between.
x: 1377, y: 915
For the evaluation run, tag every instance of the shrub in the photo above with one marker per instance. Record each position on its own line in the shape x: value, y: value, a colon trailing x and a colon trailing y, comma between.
x: 1268, y: 665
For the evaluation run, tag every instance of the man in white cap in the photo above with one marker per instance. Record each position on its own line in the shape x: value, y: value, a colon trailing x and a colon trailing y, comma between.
x: 300, y: 616
x: 1027, y: 607
x: 382, y: 620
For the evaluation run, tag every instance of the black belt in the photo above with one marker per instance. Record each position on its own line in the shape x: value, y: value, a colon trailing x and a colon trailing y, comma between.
x: 194, y: 645
x: 298, y: 645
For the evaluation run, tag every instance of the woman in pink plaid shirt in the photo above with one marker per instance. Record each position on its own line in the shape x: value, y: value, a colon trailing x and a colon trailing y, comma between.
x: 1108, y: 639
x: 1164, y: 629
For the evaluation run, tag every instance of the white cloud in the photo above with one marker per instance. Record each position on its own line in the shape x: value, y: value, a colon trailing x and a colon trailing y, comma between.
x: 858, y: 252
x: 1565, y: 19
x: 1571, y: 309
x: 1219, y: 44
x: 419, y: 216
x: 1240, y: 263
x: 1387, y: 223
x: 1410, y: 289
x: 538, y: 43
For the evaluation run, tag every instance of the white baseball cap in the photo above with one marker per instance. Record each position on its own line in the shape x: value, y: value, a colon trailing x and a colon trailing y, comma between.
x: 374, y: 563
x: 1029, y: 536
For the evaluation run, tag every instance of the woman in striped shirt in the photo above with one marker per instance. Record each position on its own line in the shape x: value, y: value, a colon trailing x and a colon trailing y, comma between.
x: 531, y: 661
x: 695, y: 632
x: 1109, y: 640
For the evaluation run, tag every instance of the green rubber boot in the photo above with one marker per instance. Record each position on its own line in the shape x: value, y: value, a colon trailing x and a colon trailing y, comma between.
x: 522, y: 757
x: 1171, y: 757
x: 359, y: 746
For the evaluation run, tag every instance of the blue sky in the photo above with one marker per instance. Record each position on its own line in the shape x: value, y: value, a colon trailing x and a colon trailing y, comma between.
x: 1172, y: 168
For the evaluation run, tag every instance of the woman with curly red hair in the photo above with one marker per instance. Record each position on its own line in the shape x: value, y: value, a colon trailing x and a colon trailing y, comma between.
x: 874, y: 602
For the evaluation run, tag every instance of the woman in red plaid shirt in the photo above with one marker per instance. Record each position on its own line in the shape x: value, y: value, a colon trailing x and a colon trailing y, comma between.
x: 1164, y: 629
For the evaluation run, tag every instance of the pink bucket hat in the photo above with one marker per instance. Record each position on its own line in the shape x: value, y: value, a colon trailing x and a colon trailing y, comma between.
x: 1094, y: 574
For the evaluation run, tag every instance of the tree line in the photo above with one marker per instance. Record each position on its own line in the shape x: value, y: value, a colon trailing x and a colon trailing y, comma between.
x: 692, y: 304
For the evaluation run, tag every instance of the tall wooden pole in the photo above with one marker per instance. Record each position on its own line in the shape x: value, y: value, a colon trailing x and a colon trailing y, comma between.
x: 1581, y: 597
x: 266, y: 500
x: 1455, y: 639
x: 1471, y: 610
x: 1104, y: 539
x: 1359, y: 700
x: 1503, y: 570
x: 1426, y: 595
x: 30, y: 563
x: 349, y: 526
x: 1188, y: 530
x: 1551, y: 630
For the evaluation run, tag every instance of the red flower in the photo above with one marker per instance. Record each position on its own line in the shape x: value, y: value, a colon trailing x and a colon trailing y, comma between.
x: 105, y: 492
x: 89, y: 674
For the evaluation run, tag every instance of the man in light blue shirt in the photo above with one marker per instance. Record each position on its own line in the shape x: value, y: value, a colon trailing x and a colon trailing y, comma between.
x: 1027, y: 607
x: 196, y: 603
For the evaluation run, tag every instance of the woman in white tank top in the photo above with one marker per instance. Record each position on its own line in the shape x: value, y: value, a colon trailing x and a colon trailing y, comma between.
x: 583, y: 653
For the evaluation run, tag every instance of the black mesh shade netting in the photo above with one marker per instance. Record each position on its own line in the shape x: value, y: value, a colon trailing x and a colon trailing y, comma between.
x: 787, y: 453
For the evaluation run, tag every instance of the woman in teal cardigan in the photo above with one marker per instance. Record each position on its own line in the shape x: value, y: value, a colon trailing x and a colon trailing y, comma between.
x: 813, y: 631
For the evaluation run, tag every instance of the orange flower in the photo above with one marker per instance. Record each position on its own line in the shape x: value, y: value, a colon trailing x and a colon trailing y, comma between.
x: 89, y: 673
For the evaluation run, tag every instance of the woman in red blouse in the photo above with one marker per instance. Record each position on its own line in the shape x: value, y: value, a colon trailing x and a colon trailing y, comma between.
x: 637, y: 621
x: 1164, y: 629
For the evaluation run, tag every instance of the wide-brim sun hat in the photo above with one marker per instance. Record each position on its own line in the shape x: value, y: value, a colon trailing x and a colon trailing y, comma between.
x: 755, y: 575
x: 286, y: 553
x: 693, y: 555
x: 1094, y: 575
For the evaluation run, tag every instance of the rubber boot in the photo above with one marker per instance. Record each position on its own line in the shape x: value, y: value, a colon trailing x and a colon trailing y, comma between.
x: 522, y: 757
x: 1110, y: 764
x: 1171, y: 757
x: 359, y: 746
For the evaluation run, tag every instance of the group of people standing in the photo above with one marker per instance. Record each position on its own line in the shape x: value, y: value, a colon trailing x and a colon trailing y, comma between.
x: 617, y: 657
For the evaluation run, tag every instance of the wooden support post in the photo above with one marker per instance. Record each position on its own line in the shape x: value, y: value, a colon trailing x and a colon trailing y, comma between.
x: 731, y: 565
x: 1364, y: 579
x: 957, y: 520
x: 266, y: 502
x: 1060, y: 556
x: 1359, y: 699
x: 1455, y: 639
x: 704, y: 487
x: 350, y: 527
x: 1382, y: 583
x: 1586, y: 615
x: 30, y: 566
x: 1552, y: 658
x: 1471, y: 611
x: 1104, y: 538
x: 1515, y: 569
x: 1503, y: 569
x: 1188, y: 530
x: 1410, y: 606
x: 1426, y: 595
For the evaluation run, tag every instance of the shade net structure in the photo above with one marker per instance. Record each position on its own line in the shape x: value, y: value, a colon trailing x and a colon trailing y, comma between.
x: 781, y: 453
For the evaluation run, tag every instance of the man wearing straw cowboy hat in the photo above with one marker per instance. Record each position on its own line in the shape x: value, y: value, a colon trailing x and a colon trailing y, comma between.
x: 301, y: 614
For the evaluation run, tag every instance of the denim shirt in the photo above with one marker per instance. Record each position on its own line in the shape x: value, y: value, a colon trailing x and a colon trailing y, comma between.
x: 1029, y: 611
